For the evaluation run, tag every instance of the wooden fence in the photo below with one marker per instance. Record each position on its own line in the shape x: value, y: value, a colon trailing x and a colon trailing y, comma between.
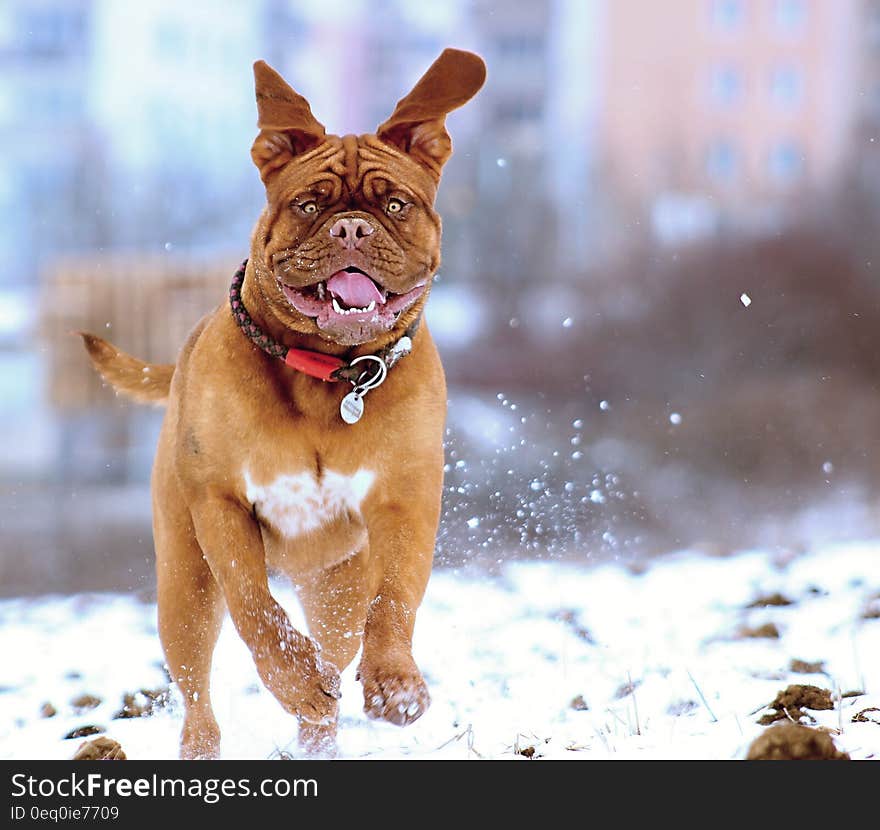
x: 145, y: 305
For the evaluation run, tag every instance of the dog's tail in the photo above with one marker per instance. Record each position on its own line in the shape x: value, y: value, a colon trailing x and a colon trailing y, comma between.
x: 143, y: 382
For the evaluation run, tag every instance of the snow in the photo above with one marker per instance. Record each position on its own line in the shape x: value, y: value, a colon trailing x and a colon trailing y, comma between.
x: 504, y: 658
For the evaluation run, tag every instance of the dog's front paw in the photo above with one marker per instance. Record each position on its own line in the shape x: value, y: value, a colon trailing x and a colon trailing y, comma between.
x: 319, y: 693
x: 395, y: 691
x: 303, y: 683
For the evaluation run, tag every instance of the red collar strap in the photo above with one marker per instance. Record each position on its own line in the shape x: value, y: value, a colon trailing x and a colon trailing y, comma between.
x: 316, y: 364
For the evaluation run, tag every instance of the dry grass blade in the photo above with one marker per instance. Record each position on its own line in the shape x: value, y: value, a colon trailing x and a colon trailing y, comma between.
x: 703, y: 698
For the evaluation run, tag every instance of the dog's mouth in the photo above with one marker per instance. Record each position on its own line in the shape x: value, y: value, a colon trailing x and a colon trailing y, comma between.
x: 350, y: 305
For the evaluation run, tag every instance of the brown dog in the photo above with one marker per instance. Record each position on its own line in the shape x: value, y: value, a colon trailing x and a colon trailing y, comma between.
x: 258, y: 467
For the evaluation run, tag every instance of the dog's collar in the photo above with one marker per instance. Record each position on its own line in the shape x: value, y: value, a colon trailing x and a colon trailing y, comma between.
x: 319, y: 365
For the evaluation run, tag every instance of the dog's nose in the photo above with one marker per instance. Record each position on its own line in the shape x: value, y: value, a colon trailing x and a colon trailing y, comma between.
x: 350, y: 230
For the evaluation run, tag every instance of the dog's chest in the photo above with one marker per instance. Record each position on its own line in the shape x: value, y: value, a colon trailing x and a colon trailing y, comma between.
x: 299, y: 502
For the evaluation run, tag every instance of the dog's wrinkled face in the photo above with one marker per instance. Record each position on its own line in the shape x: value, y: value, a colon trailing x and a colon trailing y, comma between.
x: 350, y: 240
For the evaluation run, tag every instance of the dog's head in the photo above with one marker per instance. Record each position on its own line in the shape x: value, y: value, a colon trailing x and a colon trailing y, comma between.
x: 349, y: 241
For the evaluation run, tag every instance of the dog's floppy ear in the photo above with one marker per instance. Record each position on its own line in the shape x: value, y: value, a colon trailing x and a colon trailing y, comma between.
x: 287, y: 126
x: 418, y: 124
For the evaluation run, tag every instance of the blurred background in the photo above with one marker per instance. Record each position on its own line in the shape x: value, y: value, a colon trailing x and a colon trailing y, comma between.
x: 659, y: 304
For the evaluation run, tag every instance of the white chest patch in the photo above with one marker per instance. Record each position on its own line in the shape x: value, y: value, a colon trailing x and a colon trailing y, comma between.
x: 296, y: 504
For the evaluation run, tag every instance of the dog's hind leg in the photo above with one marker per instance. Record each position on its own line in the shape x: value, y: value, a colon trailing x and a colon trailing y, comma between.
x: 190, y: 615
x: 335, y: 605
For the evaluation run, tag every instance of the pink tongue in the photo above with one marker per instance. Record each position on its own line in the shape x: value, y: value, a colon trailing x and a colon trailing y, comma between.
x: 354, y: 289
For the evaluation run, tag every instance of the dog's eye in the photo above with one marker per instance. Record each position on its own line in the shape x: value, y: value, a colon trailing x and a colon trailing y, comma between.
x: 395, y: 205
x: 309, y: 207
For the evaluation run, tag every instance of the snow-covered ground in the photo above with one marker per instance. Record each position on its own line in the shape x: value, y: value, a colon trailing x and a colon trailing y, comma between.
x: 504, y: 659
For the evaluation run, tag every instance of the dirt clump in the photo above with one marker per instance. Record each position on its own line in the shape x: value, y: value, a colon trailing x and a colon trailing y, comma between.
x: 682, y: 707
x: 794, y: 742
x: 100, y: 749
x: 872, y: 609
x: 530, y: 749
x: 84, y: 731
x: 627, y: 689
x: 775, y: 599
x: 570, y: 618
x: 805, y: 667
x: 790, y: 703
x: 579, y: 704
x: 47, y: 710
x: 143, y: 703
x: 83, y: 703
x: 767, y: 631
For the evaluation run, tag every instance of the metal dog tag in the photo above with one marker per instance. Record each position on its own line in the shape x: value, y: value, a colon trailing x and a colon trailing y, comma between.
x: 351, y: 408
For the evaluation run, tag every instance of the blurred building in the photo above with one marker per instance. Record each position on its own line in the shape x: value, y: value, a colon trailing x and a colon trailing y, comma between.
x: 118, y: 122
x: 127, y: 127
x: 354, y: 59
x: 45, y: 130
x: 866, y: 155
x: 725, y: 110
x: 869, y: 59
x: 535, y: 152
x: 172, y: 102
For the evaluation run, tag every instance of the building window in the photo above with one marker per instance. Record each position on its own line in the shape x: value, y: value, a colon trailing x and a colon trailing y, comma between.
x: 51, y: 32
x: 872, y: 105
x: 727, y: 15
x: 790, y: 16
x: 725, y: 85
x: 722, y: 160
x: 872, y: 25
x: 520, y: 46
x: 51, y: 103
x: 786, y: 86
x: 518, y: 111
x: 786, y: 161
x: 48, y: 180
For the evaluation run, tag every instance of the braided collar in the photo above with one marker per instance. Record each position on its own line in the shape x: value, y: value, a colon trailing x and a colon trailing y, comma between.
x: 317, y: 364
